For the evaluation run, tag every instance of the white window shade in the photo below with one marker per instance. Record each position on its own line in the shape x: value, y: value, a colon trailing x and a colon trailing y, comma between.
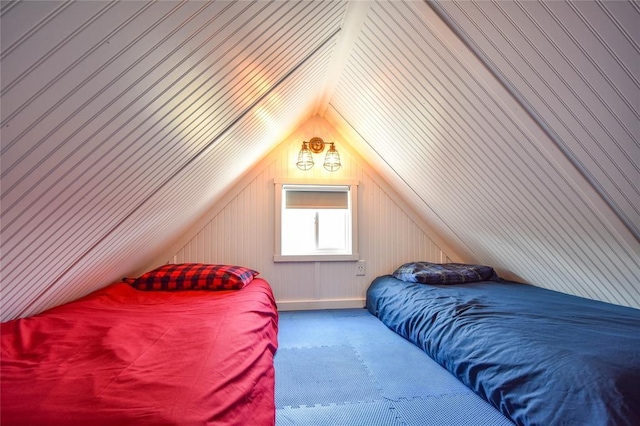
x: 329, y: 199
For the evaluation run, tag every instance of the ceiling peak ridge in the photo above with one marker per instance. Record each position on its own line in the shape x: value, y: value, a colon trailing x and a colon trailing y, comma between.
x: 353, y: 20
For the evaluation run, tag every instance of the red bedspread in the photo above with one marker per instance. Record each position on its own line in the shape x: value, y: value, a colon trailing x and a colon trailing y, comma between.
x: 121, y: 357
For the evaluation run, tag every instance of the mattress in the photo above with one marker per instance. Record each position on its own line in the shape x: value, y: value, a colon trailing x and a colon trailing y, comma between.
x: 541, y: 357
x: 121, y: 356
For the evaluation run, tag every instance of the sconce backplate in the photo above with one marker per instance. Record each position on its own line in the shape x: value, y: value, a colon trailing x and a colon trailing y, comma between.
x: 316, y: 145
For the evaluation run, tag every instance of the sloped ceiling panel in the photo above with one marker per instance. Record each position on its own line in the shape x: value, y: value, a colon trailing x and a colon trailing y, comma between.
x: 575, y: 66
x: 120, y: 120
x: 441, y: 120
x: 514, y: 125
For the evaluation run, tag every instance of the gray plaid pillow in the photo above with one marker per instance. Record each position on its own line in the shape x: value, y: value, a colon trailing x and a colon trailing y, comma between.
x: 444, y: 273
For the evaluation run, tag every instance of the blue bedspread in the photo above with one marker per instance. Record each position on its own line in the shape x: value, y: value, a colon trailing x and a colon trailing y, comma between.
x: 539, y: 356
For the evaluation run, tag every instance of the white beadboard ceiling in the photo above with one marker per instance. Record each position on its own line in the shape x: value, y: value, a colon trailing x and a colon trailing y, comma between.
x: 512, y: 128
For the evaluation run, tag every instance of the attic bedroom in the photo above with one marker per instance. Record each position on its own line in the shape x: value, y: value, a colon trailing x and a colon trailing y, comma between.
x: 478, y: 152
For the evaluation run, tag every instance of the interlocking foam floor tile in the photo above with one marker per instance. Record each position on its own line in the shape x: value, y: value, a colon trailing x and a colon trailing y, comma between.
x: 346, y: 368
x: 322, y: 375
x: 367, y: 329
x: 452, y: 410
x: 351, y: 312
x: 405, y: 371
x: 309, y: 329
x: 378, y: 413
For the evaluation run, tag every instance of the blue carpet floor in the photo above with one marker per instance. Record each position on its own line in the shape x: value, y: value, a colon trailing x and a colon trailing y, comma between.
x: 346, y: 368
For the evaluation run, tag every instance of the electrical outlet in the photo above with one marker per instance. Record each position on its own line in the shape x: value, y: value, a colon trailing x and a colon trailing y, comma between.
x: 360, y: 267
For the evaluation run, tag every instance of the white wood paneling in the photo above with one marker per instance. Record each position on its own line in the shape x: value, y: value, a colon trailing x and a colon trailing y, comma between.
x: 511, y: 129
x: 580, y: 82
x: 438, y: 117
x: 119, y: 120
x: 242, y: 230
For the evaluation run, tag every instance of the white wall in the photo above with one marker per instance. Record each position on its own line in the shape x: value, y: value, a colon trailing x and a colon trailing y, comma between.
x: 240, y: 230
x: 123, y: 122
x: 512, y: 127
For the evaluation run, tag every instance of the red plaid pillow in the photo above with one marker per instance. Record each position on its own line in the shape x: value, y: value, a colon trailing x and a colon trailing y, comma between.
x: 195, y: 276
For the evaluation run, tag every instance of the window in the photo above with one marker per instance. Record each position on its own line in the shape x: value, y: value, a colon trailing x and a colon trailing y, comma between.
x: 316, y: 222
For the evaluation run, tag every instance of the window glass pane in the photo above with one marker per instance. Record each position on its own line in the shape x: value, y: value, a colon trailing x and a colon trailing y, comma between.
x: 298, y: 231
x: 332, y: 230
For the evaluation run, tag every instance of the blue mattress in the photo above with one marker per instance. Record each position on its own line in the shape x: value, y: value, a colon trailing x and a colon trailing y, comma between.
x: 541, y: 357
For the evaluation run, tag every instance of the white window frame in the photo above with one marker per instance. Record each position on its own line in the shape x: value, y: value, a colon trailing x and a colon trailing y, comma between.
x: 328, y: 257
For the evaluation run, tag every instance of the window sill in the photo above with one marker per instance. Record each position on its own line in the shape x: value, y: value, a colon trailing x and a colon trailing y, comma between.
x: 317, y: 258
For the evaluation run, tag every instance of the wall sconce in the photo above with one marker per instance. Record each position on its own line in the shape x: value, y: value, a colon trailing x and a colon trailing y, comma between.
x: 316, y: 145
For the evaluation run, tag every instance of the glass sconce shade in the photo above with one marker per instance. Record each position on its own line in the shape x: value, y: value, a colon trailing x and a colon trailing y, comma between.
x: 332, y: 159
x: 305, y: 160
x: 315, y: 146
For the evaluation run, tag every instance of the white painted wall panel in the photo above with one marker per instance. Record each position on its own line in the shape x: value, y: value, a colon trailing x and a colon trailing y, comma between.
x: 179, y: 94
x: 184, y: 197
x: 512, y: 128
x: 242, y: 230
x: 439, y: 119
x: 582, y: 83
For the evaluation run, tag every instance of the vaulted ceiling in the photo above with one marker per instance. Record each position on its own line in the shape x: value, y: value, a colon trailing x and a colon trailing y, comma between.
x: 511, y: 127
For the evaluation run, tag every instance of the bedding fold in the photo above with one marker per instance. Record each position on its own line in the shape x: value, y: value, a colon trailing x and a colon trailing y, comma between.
x: 541, y: 357
x: 122, y: 357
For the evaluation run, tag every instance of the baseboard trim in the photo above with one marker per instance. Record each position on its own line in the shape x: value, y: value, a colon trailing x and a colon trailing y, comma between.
x: 310, y: 305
